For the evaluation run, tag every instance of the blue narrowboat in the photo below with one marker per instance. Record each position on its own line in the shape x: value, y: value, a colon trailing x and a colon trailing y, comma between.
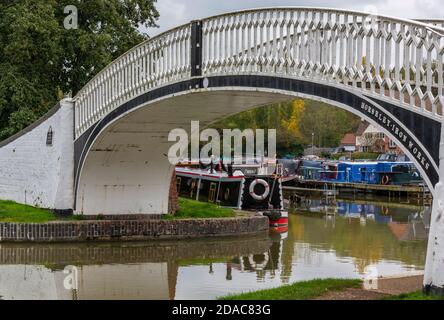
x: 365, y: 172
x: 398, y: 173
x: 357, y: 172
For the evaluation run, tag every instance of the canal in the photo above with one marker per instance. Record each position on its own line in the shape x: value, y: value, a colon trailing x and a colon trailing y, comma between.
x: 343, y: 239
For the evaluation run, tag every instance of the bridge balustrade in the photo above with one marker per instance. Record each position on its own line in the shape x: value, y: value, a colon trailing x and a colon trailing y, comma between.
x: 389, y: 58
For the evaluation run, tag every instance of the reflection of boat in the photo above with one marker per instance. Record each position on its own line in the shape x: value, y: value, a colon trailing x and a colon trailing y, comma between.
x: 279, y: 233
x: 281, y: 229
x: 251, y: 190
x: 414, y: 230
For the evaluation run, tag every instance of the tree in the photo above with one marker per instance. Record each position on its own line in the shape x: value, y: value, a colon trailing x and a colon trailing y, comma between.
x: 328, y: 123
x: 40, y: 60
x: 30, y: 56
x: 106, y: 29
x: 293, y: 124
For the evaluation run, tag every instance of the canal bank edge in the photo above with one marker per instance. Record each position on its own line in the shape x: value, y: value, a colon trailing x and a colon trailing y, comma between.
x: 130, y: 230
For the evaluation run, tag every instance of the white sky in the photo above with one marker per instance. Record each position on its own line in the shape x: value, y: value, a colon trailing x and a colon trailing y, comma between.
x: 177, y: 12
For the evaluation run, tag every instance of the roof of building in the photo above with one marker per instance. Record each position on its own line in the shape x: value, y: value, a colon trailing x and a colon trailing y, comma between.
x: 349, y: 140
x: 363, y: 125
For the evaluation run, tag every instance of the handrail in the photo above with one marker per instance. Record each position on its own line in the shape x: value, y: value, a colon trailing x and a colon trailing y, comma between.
x: 418, y: 22
x: 396, y: 59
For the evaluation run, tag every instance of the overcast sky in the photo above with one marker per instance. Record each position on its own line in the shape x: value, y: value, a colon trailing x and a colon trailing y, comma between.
x: 176, y: 12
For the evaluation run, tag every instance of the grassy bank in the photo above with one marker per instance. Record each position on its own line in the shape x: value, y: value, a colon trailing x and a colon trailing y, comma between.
x: 198, y: 210
x: 305, y: 290
x: 11, y: 211
x: 418, y: 295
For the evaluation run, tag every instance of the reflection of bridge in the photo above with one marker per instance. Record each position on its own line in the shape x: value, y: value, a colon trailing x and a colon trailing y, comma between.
x: 109, y: 271
x: 106, y: 148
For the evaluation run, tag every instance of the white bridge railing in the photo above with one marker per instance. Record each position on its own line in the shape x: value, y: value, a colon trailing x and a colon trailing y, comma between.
x: 395, y: 59
x: 158, y: 61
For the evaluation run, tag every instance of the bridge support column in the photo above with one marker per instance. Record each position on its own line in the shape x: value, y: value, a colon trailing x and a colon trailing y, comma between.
x: 64, y: 199
x: 434, y: 269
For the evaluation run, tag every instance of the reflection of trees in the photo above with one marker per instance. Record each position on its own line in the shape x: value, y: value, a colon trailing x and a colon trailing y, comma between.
x: 173, y: 270
x: 296, y: 231
x: 309, y: 236
x: 367, y: 244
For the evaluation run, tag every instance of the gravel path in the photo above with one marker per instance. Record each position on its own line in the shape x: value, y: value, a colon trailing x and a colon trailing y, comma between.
x: 352, y: 294
x: 386, y: 287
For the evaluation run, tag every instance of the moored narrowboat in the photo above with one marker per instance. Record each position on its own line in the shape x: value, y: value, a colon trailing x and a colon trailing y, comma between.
x: 360, y: 172
x: 247, y: 189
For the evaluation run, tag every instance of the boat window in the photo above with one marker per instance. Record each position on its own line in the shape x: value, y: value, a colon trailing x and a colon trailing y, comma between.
x: 401, y: 169
x: 49, y: 137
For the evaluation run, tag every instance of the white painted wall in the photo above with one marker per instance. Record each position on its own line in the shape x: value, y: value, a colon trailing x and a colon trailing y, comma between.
x: 39, y: 175
x: 145, y: 281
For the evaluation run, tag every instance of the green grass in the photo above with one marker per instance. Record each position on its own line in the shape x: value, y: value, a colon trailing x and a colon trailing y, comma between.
x: 418, y: 295
x: 305, y: 290
x: 11, y: 211
x: 199, y: 210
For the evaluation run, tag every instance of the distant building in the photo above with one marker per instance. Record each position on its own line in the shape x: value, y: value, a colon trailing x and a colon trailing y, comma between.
x: 348, y: 143
x: 370, y: 139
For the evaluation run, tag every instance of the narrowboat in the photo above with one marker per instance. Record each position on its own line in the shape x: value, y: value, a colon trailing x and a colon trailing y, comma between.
x: 363, y: 172
x: 310, y: 169
x: 398, y: 173
x: 383, y: 173
x: 357, y: 172
x: 249, y: 188
x: 330, y: 171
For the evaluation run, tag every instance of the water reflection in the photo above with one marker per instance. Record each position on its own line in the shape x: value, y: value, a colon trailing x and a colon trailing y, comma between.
x: 343, y: 239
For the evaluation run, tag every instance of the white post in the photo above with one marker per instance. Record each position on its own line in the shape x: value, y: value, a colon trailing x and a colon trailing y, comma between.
x: 434, y: 269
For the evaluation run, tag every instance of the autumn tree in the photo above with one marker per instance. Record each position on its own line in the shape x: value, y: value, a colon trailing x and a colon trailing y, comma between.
x: 294, y: 122
x: 292, y: 125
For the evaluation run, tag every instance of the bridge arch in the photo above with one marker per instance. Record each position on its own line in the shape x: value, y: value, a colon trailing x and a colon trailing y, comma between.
x: 385, y: 69
x: 124, y: 155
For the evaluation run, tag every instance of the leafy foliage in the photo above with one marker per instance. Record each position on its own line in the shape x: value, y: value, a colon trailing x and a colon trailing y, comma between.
x: 40, y: 60
x: 295, y: 121
x: 328, y: 123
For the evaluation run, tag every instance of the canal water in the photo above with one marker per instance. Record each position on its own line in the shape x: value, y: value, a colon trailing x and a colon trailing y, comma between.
x: 344, y: 239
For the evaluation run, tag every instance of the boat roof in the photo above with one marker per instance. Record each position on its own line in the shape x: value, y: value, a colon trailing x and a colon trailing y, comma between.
x: 207, y: 174
x: 359, y: 163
